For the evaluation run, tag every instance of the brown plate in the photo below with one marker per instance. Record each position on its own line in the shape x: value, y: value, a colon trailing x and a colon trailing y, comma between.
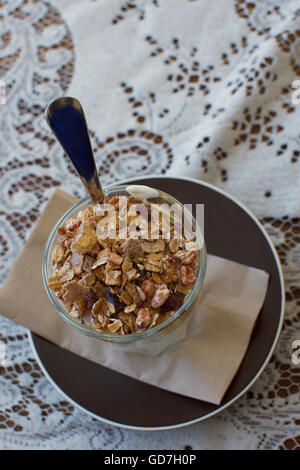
x: 232, y: 232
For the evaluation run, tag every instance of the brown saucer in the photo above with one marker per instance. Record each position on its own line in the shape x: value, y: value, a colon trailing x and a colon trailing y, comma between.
x: 231, y: 232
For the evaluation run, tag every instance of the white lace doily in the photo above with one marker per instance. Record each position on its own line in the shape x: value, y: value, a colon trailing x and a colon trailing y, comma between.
x: 185, y: 87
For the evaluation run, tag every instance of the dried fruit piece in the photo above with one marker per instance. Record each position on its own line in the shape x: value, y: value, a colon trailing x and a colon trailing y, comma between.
x: 173, y: 302
x: 114, y: 300
x: 160, y: 296
x: 89, y: 300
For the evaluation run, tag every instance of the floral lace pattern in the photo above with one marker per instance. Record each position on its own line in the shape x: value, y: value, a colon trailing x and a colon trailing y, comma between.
x: 175, y: 100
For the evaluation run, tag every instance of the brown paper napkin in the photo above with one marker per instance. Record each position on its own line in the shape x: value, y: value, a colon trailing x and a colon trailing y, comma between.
x: 202, y: 366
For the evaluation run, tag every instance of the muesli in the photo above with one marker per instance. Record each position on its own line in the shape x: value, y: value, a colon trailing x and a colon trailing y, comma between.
x: 122, y: 282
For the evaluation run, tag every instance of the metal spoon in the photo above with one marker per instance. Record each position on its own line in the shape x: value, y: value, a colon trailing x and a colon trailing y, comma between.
x: 66, y: 119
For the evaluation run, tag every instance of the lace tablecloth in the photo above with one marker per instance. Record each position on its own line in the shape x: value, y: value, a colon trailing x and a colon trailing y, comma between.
x: 181, y: 87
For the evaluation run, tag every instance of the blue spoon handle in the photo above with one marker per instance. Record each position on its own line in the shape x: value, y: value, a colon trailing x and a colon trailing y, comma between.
x: 66, y: 119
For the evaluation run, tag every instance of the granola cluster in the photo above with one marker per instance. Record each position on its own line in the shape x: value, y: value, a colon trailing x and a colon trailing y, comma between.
x: 120, y: 285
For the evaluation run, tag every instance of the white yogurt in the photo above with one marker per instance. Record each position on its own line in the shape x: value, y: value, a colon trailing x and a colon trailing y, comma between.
x: 142, y: 192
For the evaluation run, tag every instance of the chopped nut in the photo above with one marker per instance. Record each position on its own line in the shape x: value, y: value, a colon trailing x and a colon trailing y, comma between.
x: 143, y: 318
x: 130, y: 308
x: 160, y: 296
x: 187, y: 275
x: 154, y: 319
x: 187, y: 257
x: 148, y: 288
x: 72, y: 225
x: 74, y: 312
x: 141, y: 293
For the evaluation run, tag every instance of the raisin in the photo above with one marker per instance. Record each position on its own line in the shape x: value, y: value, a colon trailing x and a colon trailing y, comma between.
x: 115, y: 301
x: 173, y: 303
x: 89, y: 300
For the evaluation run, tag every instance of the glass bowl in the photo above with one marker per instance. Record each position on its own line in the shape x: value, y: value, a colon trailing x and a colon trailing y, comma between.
x: 156, y: 339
